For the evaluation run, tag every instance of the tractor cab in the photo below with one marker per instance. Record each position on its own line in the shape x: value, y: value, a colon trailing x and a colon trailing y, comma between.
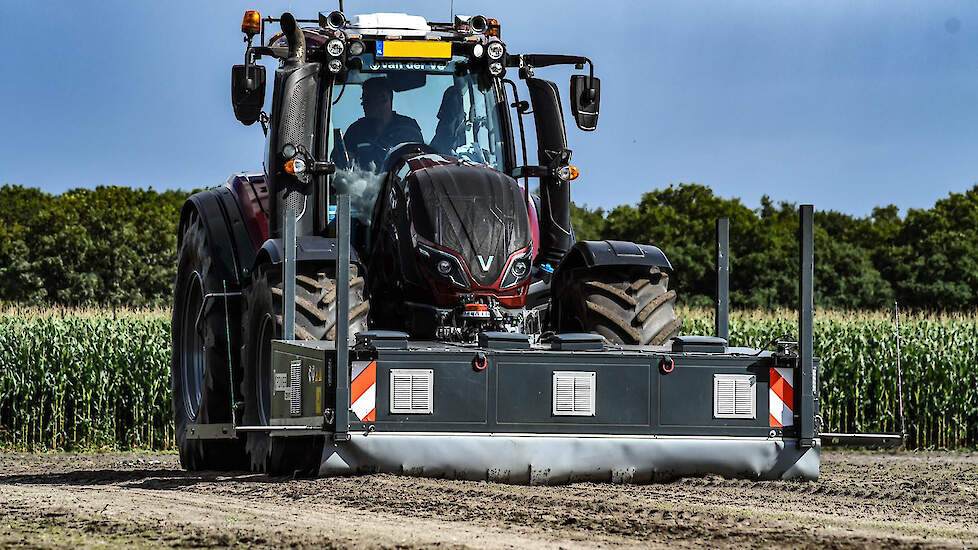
x: 354, y: 96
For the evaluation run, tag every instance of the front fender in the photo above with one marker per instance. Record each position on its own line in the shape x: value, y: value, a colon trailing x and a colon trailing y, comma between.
x: 309, y: 248
x: 591, y: 254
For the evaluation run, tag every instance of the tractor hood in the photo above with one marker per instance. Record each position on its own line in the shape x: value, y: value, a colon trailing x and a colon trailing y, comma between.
x: 475, y: 212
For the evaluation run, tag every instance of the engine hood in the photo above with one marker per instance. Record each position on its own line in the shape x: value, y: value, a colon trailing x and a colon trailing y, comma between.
x: 472, y: 210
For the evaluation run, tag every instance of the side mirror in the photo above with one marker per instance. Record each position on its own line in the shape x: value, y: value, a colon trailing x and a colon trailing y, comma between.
x: 247, y: 92
x: 585, y: 97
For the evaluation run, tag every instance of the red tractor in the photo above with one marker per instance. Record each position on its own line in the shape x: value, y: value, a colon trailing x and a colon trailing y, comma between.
x: 415, y: 121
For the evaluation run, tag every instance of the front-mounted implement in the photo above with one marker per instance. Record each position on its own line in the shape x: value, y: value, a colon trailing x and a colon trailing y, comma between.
x: 389, y: 296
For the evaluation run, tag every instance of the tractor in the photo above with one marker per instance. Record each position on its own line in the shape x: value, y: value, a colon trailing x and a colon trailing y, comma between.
x: 391, y: 271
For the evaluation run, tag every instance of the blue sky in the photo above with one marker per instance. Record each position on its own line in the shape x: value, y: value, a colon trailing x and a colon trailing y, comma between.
x: 846, y: 104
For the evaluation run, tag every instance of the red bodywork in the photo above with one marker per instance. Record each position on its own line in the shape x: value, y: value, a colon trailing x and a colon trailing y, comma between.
x: 251, y: 193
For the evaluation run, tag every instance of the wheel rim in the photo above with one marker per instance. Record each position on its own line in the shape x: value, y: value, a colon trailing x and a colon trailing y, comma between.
x: 192, y: 347
x: 264, y: 375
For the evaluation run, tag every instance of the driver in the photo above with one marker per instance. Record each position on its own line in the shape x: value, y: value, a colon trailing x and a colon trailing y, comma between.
x: 450, y: 132
x: 371, y: 137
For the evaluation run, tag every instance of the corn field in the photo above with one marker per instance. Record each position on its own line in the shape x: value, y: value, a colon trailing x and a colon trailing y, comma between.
x: 99, y: 379
x: 85, y: 379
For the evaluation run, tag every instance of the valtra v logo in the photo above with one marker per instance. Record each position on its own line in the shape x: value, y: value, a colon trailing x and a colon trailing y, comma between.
x: 485, y: 263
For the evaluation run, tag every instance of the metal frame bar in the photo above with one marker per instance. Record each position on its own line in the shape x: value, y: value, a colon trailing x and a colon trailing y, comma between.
x: 342, y: 428
x: 880, y: 440
x: 806, y: 282
x: 288, y: 274
x: 722, y: 315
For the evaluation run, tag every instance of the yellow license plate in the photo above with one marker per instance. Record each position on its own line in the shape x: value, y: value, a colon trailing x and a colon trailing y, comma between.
x: 409, y: 49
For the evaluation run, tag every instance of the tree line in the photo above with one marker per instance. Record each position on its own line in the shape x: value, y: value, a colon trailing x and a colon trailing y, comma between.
x: 925, y: 260
x: 117, y: 246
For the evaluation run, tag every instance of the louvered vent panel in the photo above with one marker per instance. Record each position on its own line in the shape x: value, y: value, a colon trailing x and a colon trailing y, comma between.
x: 734, y: 396
x: 295, y: 388
x: 411, y: 391
x: 573, y: 393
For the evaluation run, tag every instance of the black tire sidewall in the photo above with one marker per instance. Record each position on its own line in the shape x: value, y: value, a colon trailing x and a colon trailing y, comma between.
x: 215, y: 400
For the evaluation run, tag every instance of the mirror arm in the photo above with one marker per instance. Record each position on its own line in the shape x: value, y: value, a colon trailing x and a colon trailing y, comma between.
x: 528, y: 62
x: 276, y: 52
x: 558, y: 159
x: 321, y: 168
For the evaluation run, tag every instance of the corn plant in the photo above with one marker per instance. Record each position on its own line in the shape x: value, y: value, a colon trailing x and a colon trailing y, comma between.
x: 99, y: 378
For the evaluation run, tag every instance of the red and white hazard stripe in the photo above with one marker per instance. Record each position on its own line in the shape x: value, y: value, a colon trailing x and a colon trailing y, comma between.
x: 781, y: 397
x: 363, y: 390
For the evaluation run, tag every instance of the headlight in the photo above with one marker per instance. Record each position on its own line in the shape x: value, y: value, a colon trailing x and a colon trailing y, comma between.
x: 334, y: 47
x: 517, y: 271
x: 443, y: 264
x: 356, y: 48
x: 478, y: 50
x: 520, y: 267
x: 335, y: 65
x: 335, y: 20
x: 496, y: 69
x: 495, y: 50
x: 568, y: 173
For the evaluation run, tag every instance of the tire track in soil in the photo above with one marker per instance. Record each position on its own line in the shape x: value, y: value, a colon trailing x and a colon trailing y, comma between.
x: 894, y: 500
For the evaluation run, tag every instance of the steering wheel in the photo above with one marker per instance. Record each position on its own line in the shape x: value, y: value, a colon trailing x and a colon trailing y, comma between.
x: 401, y: 150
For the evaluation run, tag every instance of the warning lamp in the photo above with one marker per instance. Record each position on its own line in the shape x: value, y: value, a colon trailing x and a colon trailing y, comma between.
x: 568, y: 173
x: 295, y: 166
x: 251, y: 23
x: 493, y: 27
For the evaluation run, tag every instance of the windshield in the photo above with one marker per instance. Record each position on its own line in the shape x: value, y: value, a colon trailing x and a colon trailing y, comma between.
x: 391, y: 108
x: 439, y: 105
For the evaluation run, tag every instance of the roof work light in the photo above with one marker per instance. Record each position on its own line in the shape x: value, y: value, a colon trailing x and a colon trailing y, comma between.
x: 251, y: 23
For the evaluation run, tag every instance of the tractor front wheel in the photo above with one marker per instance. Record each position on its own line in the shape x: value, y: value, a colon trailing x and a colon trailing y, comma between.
x: 623, y: 307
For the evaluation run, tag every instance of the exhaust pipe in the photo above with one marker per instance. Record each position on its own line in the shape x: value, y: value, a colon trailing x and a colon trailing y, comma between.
x: 297, y: 40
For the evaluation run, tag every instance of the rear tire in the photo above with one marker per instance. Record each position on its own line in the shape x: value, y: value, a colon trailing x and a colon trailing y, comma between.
x: 315, y: 310
x: 200, y: 367
x: 622, y: 307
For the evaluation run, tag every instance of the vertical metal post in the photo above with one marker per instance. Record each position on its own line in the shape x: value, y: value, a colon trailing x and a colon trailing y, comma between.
x: 722, y: 316
x: 343, y: 319
x: 806, y: 320
x: 896, y: 317
x: 288, y: 274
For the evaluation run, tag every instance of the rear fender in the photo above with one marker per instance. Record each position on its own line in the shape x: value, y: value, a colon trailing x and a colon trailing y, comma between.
x: 231, y: 249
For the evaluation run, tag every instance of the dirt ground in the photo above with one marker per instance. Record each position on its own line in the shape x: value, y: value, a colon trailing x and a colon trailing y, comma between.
x: 900, y: 500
